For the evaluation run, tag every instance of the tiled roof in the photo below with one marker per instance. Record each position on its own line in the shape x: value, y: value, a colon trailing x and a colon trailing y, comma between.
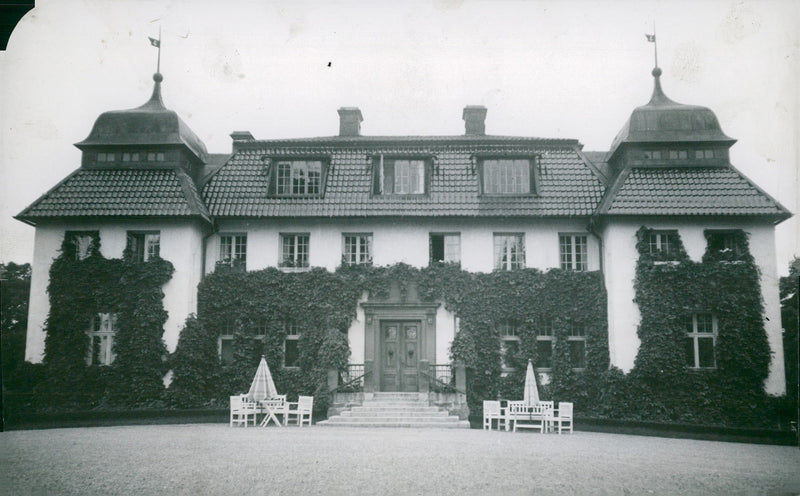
x: 567, y: 186
x: 689, y: 191
x: 115, y: 192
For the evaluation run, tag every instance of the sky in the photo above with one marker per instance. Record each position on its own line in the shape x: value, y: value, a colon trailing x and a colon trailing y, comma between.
x: 569, y: 69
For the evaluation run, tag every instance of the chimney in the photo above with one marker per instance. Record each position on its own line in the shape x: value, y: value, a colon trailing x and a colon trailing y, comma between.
x: 350, y: 121
x: 474, y: 117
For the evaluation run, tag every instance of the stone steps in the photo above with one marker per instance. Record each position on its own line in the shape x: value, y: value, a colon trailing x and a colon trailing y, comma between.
x: 406, y: 410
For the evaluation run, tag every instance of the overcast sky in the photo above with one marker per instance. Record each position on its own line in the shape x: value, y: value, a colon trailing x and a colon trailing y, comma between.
x: 573, y: 69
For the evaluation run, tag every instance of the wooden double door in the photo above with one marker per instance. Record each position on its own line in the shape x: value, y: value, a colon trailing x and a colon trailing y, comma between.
x: 400, y: 349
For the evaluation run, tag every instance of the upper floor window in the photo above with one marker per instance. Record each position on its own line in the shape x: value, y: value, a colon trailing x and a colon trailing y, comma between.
x: 509, y: 344
x: 105, y: 157
x: 294, y: 250
x: 577, y: 345
x: 445, y: 248
x: 357, y: 249
x: 652, y: 154
x: 299, y: 177
x: 233, y: 249
x: 507, y: 176
x: 728, y: 244
x: 400, y: 176
x: 704, y: 154
x: 678, y: 154
x: 663, y: 244
x: 291, y: 350
x: 509, y: 251
x: 101, y: 339
x: 80, y: 243
x: 142, y: 246
x: 573, y: 252
x: 130, y: 157
x: 701, y: 338
x: 155, y: 156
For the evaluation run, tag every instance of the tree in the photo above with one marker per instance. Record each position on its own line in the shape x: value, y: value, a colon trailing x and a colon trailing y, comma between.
x: 15, y: 284
x: 789, y: 318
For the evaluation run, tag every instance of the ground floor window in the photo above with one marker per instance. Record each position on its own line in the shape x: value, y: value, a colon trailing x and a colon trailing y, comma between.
x: 101, y: 339
x: 701, y: 338
x: 509, y: 345
x: 544, y: 345
x: 577, y: 345
x: 291, y: 351
x: 225, y: 349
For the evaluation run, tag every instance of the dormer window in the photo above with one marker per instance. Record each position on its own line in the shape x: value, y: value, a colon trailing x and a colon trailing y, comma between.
x: 401, y: 176
x: 155, y: 156
x: 678, y: 155
x: 130, y: 157
x: 298, y: 177
x: 507, y: 175
x: 652, y: 154
x: 105, y: 157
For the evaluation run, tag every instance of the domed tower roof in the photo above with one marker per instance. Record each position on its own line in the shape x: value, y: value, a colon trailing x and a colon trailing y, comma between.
x: 149, y: 124
x: 665, y: 121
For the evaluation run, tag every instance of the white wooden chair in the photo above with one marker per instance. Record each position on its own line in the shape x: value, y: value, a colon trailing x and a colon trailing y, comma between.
x: 242, y: 410
x: 564, y: 417
x: 302, y: 409
x: 492, y: 411
x: 548, y: 412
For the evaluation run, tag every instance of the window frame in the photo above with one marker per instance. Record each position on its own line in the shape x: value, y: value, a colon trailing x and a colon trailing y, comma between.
x: 573, y: 264
x: 672, y: 255
x: 509, y: 265
x: 445, y: 236
x: 359, y: 255
x: 72, y: 237
x: 737, y: 252
x: 695, y: 335
x: 104, y: 357
x: 572, y: 337
x: 139, y: 248
x: 237, y: 251
x: 505, y: 339
x: 292, y: 333
x: 380, y: 183
x: 545, y: 334
x: 274, y: 164
x: 533, y: 173
x: 293, y: 265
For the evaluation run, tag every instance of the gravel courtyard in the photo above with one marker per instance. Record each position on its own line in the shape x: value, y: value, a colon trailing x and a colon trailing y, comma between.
x: 200, y: 459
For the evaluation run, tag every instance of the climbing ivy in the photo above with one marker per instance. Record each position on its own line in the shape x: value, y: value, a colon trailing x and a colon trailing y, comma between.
x: 78, y: 291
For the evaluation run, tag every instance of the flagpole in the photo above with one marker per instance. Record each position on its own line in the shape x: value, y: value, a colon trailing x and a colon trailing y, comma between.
x: 158, y: 64
x: 655, y: 42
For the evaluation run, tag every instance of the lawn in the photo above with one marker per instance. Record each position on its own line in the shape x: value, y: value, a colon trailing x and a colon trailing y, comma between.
x: 208, y: 459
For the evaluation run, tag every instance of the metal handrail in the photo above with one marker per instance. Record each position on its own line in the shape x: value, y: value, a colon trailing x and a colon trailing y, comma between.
x: 351, y: 381
x: 441, y: 383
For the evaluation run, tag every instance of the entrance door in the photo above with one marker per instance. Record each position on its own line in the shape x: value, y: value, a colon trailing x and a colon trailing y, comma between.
x: 400, y: 355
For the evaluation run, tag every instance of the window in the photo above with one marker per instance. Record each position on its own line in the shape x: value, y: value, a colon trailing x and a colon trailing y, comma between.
x: 155, y: 156
x: 653, y: 154
x: 291, y: 352
x: 701, y: 338
x: 81, y: 243
x: 225, y: 349
x: 357, y: 249
x: 577, y: 345
x: 405, y: 176
x: 105, y: 157
x: 727, y: 244
x: 509, y: 344
x: 299, y: 177
x: 142, y: 246
x: 130, y: 157
x: 445, y: 248
x: 294, y: 250
x: 704, y: 154
x: 663, y: 244
x: 507, y: 176
x: 233, y: 249
x: 573, y: 252
x: 509, y: 251
x: 544, y: 345
x: 678, y: 154
x: 101, y: 339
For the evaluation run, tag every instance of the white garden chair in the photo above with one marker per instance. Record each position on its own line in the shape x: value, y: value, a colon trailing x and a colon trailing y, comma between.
x: 301, y: 409
x: 492, y: 411
x: 564, y: 417
x: 242, y: 410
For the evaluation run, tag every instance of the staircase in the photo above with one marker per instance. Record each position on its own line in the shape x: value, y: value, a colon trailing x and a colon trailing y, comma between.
x: 395, y: 410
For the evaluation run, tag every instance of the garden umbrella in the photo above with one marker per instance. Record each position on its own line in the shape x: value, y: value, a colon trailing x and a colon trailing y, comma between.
x: 530, y: 394
x: 263, y: 386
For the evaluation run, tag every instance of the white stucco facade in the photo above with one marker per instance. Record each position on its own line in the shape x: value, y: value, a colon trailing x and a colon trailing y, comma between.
x: 620, y: 256
x: 181, y: 243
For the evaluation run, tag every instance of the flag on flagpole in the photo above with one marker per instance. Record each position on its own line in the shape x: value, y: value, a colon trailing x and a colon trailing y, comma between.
x: 154, y: 42
x: 650, y: 37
